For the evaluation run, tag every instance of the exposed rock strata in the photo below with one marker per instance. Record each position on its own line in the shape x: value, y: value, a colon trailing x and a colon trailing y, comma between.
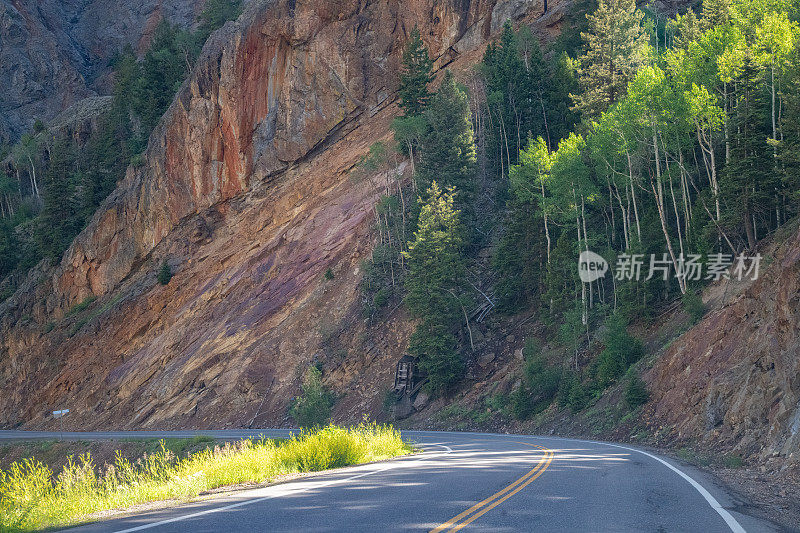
x: 248, y: 190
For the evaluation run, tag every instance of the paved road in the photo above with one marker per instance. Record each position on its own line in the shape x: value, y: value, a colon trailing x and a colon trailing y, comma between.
x: 469, y: 481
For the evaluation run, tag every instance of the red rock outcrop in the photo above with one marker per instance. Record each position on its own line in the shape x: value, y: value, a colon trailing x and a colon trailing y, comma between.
x: 248, y: 190
x: 733, y: 381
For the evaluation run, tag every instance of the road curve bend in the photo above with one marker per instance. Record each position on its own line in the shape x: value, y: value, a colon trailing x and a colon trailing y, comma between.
x: 464, y: 482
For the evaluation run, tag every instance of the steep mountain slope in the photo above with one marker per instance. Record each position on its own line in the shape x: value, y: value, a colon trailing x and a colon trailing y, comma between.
x: 247, y: 189
x: 54, y: 53
x: 732, y: 382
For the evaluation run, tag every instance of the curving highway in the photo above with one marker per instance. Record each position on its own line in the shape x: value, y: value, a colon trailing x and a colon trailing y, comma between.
x: 462, y: 481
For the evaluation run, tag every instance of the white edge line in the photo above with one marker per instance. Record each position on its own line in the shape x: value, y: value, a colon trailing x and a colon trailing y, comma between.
x: 732, y: 523
x: 264, y: 498
x: 735, y: 526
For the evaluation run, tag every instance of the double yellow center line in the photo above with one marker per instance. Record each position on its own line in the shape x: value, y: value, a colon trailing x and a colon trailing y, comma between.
x: 479, y: 509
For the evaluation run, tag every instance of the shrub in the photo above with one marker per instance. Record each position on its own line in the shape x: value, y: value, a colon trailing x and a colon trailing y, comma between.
x: 375, y: 158
x: 390, y: 399
x: 635, y: 391
x: 539, y: 388
x: 621, y: 351
x: 532, y: 349
x: 313, y: 407
x: 329, y: 274
x: 693, y: 305
x: 164, y: 273
x: 579, y: 396
x: 382, y: 297
x: 572, y: 393
x: 497, y: 402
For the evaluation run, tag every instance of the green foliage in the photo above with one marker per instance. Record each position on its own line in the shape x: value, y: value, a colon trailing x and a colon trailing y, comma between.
x: 415, y: 77
x: 58, y: 183
x: 32, y: 498
x: 313, y: 407
x: 328, y: 274
x: 525, y: 97
x: 408, y: 132
x: 164, y: 273
x: 385, y: 271
x: 693, y: 305
x: 59, y: 221
x: 616, y: 46
x: 375, y: 158
x: 732, y: 461
x: 447, y: 148
x: 519, y: 258
x: 435, y: 274
x: 215, y: 14
x: 498, y: 402
x: 390, y: 399
x: 81, y: 307
x: 572, y: 393
x: 621, y: 350
x: 539, y: 387
x: 635, y: 391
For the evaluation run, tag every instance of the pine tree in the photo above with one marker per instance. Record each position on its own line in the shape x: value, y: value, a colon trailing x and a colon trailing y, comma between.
x: 747, y: 184
x: 517, y: 97
x: 59, y: 220
x: 447, y: 149
x: 163, y: 70
x: 215, y: 14
x: 617, y: 46
x: 715, y: 13
x: 416, y: 75
x: 436, y: 270
x: 164, y: 273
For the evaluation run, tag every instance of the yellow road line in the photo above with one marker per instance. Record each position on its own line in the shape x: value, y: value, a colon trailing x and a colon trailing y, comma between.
x: 499, y: 497
x: 507, y: 496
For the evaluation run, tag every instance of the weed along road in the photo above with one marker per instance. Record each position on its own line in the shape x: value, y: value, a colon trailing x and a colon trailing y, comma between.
x: 462, y: 481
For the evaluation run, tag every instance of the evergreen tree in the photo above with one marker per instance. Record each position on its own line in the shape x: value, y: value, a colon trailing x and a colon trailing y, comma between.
x: 616, y: 47
x: 416, y: 75
x: 518, y: 259
x: 517, y: 96
x: 163, y: 70
x: 715, y: 13
x: 9, y: 248
x: 447, y: 148
x: 621, y: 351
x: 748, y: 184
x: 435, y: 274
x: 215, y: 14
x: 164, y: 273
x: 59, y: 221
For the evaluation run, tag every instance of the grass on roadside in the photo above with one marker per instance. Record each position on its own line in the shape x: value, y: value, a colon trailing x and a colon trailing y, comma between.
x: 32, y: 497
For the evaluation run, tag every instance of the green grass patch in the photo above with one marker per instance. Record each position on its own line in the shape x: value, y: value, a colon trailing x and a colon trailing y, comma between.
x: 33, y: 497
x: 732, y: 461
x: 91, y: 316
x: 80, y: 307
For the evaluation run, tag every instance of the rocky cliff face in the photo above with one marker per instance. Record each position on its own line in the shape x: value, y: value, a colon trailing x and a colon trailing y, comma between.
x: 54, y: 53
x: 248, y: 190
x: 733, y: 381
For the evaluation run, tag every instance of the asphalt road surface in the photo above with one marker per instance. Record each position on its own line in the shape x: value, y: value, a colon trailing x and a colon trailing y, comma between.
x: 469, y: 481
